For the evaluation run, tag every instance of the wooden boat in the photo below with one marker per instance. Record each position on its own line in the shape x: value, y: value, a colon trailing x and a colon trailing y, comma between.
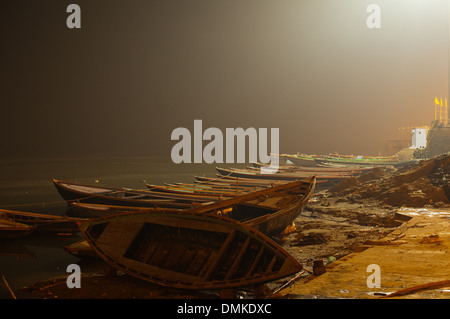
x: 158, y: 193
x: 86, y: 210
x: 358, y: 161
x: 233, y: 172
x: 236, y: 182
x: 196, y: 191
x: 10, y: 229
x: 269, y: 211
x: 42, y: 222
x: 300, y: 160
x: 315, y: 169
x: 210, y: 187
x: 189, y: 250
x: 388, y: 158
x: 74, y: 192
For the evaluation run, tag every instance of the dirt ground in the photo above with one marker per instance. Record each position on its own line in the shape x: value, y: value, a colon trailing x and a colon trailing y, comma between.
x: 412, y: 263
x: 328, y: 229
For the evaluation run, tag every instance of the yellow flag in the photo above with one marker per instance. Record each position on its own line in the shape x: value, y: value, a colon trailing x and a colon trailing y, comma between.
x: 436, y: 100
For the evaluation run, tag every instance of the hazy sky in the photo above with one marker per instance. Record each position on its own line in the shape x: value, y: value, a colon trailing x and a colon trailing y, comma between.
x: 137, y: 70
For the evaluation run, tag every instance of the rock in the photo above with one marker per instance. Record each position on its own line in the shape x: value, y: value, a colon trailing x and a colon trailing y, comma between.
x: 420, y: 171
x: 439, y: 205
x: 376, y: 173
x: 344, y: 185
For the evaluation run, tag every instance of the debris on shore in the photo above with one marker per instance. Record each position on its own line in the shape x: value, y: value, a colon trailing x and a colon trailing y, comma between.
x: 415, y: 185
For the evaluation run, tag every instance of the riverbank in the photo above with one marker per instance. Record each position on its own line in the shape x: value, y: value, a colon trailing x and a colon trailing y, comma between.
x: 412, y: 263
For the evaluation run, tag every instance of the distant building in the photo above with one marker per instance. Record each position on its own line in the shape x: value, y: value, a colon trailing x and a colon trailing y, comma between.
x: 419, y: 138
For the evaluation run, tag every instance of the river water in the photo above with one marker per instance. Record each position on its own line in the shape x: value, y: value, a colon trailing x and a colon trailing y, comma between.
x: 26, y: 185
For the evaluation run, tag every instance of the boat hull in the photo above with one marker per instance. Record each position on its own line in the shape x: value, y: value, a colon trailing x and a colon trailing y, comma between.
x: 301, y: 161
x: 72, y: 192
x: 42, y: 222
x: 10, y: 229
x: 189, y: 250
x: 85, y: 210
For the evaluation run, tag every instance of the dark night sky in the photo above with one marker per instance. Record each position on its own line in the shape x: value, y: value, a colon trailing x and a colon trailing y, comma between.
x: 136, y: 70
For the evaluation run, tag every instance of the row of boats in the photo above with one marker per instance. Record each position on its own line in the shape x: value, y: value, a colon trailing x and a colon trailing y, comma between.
x: 213, y: 233
x: 339, y: 160
x: 182, y: 240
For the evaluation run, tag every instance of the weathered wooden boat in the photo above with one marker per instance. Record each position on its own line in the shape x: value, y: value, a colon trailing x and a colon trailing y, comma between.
x: 86, y: 210
x: 210, y: 187
x: 189, y: 250
x: 236, y: 181
x: 300, y: 160
x: 358, y: 161
x: 10, y: 229
x: 197, y: 191
x: 159, y: 193
x: 242, y: 173
x: 42, y: 222
x: 74, y: 192
x: 269, y: 211
x: 355, y: 163
x: 316, y: 169
x: 386, y: 158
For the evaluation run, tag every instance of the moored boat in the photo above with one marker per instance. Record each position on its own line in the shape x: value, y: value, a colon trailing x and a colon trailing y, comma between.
x: 190, y: 249
x: 236, y: 181
x: 87, y: 210
x: 10, y: 229
x: 42, y: 222
x: 286, y: 176
x: 75, y: 192
x: 300, y: 160
x: 270, y: 210
x: 197, y: 191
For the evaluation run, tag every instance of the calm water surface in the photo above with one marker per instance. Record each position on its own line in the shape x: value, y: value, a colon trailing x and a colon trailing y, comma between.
x: 26, y: 185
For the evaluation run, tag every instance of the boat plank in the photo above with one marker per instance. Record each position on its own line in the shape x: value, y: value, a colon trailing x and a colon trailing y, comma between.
x: 238, y: 259
x: 255, y: 262
x: 222, y: 251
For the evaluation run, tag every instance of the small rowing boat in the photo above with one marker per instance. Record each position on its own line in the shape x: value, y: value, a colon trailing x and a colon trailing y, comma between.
x: 10, y: 229
x: 189, y: 250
